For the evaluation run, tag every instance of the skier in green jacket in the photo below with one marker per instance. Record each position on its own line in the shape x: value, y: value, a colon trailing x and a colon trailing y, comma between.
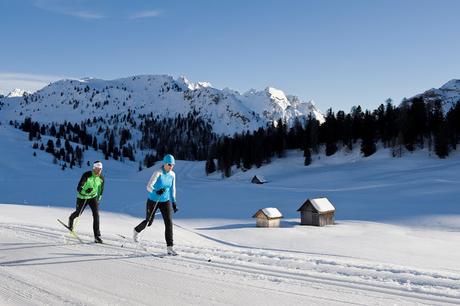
x: 90, y: 189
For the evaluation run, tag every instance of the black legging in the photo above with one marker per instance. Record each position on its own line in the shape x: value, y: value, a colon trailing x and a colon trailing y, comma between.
x: 166, y: 212
x: 94, y: 205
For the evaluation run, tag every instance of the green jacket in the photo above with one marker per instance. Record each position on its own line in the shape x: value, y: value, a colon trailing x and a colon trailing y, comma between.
x: 90, y: 186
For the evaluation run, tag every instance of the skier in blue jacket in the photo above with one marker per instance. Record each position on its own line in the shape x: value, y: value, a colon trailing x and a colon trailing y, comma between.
x: 162, y: 195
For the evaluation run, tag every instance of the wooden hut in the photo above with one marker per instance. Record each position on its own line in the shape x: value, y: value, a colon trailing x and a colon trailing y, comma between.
x: 318, y: 212
x: 258, y: 179
x: 268, y: 217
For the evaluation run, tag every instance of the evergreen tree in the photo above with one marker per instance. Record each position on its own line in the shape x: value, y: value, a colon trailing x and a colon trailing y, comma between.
x: 50, y: 146
x: 27, y: 124
x: 441, y: 146
x: 79, y: 156
x: 357, y: 121
x: 453, y: 125
x: 94, y: 144
x: 368, y: 146
x: 390, y: 130
x: 312, y: 134
x: 307, y: 155
x: 418, y: 114
x: 440, y: 142
x: 210, y: 166
x: 328, y: 133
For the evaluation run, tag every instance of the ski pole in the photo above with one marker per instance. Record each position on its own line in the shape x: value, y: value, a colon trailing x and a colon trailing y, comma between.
x: 79, y: 214
x: 153, y: 211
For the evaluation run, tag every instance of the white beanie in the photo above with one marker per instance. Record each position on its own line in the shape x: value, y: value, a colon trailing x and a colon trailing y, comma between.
x: 97, y: 164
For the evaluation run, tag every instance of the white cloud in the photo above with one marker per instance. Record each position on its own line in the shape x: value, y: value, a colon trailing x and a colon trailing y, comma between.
x: 85, y: 9
x: 27, y: 82
x: 71, y: 8
x: 86, y: 15
x: 145, y: 14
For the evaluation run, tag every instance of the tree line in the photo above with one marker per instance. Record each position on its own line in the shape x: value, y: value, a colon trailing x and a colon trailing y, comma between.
x: 413, y: 125
x: 121, y: 136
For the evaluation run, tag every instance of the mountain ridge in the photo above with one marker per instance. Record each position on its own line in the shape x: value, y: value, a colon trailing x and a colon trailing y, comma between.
x: 226, y: 110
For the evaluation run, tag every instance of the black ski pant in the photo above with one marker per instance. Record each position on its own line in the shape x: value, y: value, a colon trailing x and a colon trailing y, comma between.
x: 94, y: 205
x: 166, y: 212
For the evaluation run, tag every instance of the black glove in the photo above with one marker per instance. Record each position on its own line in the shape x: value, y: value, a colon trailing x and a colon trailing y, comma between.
x: 160, y: 191
x: 175, y: 207
x: 89, y: 190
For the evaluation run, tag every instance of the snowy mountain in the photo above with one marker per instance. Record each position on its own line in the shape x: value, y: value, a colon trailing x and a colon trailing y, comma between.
x: 227, y: 111
x: 448, y: 94
x: 16, y: 93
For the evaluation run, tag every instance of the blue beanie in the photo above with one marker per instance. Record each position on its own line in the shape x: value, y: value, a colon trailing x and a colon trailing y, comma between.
x: 169, y: 159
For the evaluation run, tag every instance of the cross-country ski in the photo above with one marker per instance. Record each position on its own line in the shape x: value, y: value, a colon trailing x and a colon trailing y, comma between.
x: 71, y: 232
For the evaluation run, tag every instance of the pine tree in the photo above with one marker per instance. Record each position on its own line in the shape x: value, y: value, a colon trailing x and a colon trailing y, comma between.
x: 368, y: 146
x: 418, y: 114
x: 328, y: 132
x: 307, y: 155
x: 312, y: 134
x: 210, y: 166
x: 453, y: 125
x: 79, y: 156
x: 50, y: 146
x: 357, y: 121
x: 441, y: 146
x: 94, y: 144
x: 31, y: 135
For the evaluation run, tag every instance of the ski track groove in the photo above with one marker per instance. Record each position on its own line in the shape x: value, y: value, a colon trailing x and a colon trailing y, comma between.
x: 295, y: 268
x: 34, y: 295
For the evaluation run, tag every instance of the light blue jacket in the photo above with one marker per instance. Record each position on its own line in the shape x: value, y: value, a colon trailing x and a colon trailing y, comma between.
x: 162, y: 179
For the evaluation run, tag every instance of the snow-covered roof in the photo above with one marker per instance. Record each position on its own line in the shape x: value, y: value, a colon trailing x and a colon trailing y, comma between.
x: 322, y: 205
x: 269, y: 212
x: 260, y: 178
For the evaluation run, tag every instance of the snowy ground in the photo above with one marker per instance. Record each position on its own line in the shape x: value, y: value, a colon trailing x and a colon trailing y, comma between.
x: 396, y: 240
x: 354, y: 262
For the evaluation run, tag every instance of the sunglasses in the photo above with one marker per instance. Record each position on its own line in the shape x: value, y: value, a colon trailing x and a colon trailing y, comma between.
x: 171, y: 165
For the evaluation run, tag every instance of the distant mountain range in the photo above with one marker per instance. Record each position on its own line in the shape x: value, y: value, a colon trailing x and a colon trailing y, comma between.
x: 17, y: 93
x: 448, y: 94
x: 226, y: 110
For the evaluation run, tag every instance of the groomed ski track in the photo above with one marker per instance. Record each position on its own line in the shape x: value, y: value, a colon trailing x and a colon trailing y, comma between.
x: 44, y: 265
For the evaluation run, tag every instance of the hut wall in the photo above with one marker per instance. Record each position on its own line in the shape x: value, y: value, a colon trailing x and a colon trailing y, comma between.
x: 330, y: 218
x: 322, y: 220
x: 326, y: 219
x: 312, y: 218
x: 261, y: 222
x: 306, y: 218
x: 315, y: 217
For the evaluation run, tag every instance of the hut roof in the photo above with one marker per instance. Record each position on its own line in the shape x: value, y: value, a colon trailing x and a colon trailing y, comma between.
x: 269, y: 213
x: 322, y: 205
x: 260, y: 178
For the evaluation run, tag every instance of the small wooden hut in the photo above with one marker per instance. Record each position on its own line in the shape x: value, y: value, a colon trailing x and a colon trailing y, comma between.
x: 258, y: 179
x: 268, y: 217
x: 318, y: 212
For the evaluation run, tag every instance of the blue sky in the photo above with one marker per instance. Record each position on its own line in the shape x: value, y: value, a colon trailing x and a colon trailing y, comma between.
x: 338, y: 53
